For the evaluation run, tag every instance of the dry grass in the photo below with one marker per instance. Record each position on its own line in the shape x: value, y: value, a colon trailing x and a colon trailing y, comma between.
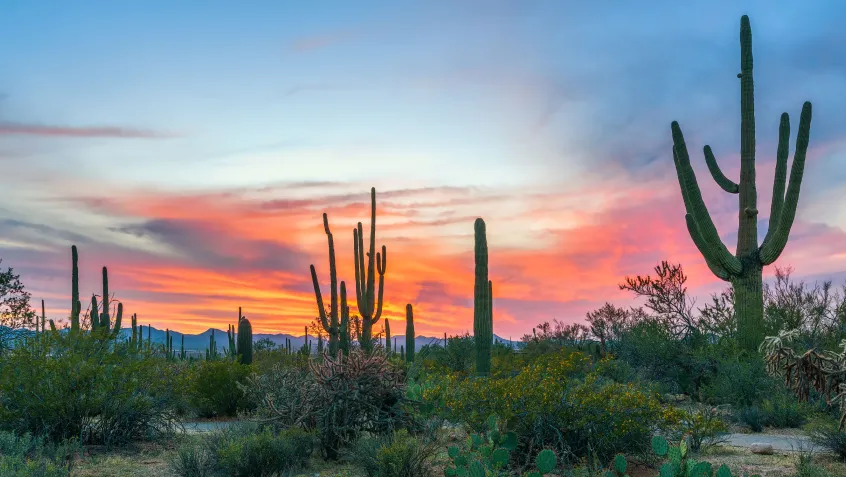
x: 148, y: 460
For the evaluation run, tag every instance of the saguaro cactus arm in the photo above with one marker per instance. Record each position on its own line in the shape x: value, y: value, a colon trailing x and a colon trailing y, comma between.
x: 329, y: 321
x: 776, y: 238
x: 704, y: 247
x: 717, y: 252
x: 724, y: 182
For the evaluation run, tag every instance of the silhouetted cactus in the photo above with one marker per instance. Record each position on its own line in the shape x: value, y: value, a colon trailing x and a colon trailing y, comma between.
x: 409, y: 333
x: 387, y: 336
x: 744, y: 269
x: 75, y: 303
x: 369, y: 303
x: 330, y: 323
x: 344, y: 335
x: 482, y: 301
x: 245, y: 341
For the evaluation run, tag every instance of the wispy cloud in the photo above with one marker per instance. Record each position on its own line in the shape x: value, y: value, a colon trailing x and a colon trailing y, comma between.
x: 22, y: 129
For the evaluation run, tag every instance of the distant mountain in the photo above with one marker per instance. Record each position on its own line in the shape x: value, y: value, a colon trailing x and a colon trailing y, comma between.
x: 200, y: 342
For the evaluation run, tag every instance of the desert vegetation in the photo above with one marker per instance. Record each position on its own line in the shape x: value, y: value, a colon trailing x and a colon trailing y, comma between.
x: 648, y: 390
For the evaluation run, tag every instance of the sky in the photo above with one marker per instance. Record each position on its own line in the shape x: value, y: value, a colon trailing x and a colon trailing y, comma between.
x: 192, y: 147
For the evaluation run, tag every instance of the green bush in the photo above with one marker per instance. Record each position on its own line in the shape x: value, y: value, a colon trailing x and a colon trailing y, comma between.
x: 752, y: 417
x: 251, y: 450
x: 213, y: 389
x: 400, y: 455
x: 704, y: 428
x: 740, y: 382
x: 783, y: 411
x: 826, y: 434
x: 554, y: 403
x: 89, y: 389
x: 32, y: 456
x: 192, y: 461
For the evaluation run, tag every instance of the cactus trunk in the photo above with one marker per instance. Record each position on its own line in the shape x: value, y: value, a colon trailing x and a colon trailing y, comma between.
x: 75, y: 303
x: 245, y: 341
x: 344, y: 343
x: 387, y: 335
x: 409, y: 333
x: 482, y: 322
x: 744, y: 268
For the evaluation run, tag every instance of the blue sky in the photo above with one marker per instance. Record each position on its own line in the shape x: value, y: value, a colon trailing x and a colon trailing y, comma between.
x: 107, y: 101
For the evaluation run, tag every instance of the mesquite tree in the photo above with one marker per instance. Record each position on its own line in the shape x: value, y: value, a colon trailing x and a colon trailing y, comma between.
x: 744, y: 269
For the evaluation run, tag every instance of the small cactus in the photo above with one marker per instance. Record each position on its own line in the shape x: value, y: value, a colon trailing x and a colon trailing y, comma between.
x: 546, y: 461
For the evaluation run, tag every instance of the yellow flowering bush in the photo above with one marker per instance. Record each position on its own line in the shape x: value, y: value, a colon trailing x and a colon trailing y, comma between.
x: 557, y: 401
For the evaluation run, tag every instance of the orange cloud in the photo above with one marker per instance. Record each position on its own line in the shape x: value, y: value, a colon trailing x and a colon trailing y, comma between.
x: 189, y: 261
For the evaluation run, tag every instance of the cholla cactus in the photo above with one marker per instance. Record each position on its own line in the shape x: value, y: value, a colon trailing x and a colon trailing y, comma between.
x: 821, y: 371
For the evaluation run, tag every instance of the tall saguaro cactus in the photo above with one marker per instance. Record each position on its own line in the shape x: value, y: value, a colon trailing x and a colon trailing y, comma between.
x: 330, y: 323
x: 744, y: 269
x: 369, y: 307
x: 387, y: 335
x: 245, y: 340
x: 482, y: 300
x: 76, y: 305
x: 344, y: 341
x: 409, y: 333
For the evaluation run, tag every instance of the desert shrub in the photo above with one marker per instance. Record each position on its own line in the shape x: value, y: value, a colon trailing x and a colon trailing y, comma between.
x: 553, y: 403
x: 88, y: 389
x: 740, y: 381
x: 704, y: 428
x: 827, y: 434
x: 400, y: 455
x: 357, y: 393
x: 213, y: 388
x: 459, y: 355
x: 752, y: 417
x: 193, y: 460
x: 33, y: 456
x: 266, y: 360
x: 650, y: 347
x: 282, y: 395
x: 784, y: 411
x: 265, y: 453
x: 616, y: 370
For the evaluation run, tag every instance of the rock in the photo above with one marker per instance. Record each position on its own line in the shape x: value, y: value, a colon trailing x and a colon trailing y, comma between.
x: 760, y: 448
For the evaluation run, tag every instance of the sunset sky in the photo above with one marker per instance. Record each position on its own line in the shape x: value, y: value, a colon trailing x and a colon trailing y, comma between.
x: 193, y: 146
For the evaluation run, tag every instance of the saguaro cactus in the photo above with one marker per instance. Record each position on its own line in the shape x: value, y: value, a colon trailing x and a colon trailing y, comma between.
x: 409, y: 333
x: 76, y: 305
x: 245, y: 340
x: 387, y: 335
x: 482, y: 318
x: 369, y: 307
x: 330, y: 323
x: 344, y: 338
x: 744, y: 269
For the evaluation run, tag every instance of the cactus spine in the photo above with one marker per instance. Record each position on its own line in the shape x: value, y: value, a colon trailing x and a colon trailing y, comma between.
x: 409, y: 333
x: 245, y: 340
x: 369, y: 306
x: 482, y: 300
x: 744, y: 269
x: 330, y: 323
